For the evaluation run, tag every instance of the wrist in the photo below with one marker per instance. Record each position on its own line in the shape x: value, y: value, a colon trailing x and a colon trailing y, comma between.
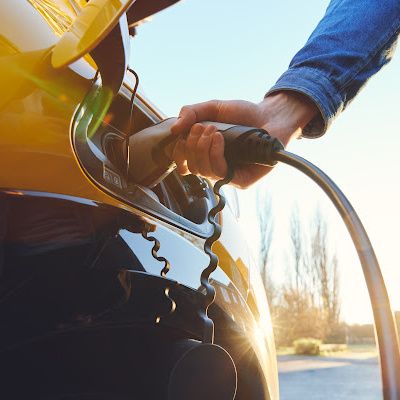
x: 286, y: 113
x: 298, y: 107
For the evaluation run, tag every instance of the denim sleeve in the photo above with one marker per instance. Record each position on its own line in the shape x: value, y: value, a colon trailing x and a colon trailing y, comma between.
x: 353, y: 41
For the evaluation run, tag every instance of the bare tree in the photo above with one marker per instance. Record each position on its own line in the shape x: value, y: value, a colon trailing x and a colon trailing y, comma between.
x: 297, y: 240
x: 296, y: 317
x: 266, y: 226
x: 335, y: 305
x: 326, y: 271
x: 311, y: 291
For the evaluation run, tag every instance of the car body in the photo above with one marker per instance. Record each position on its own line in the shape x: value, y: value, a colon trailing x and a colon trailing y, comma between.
x: 69, y: 329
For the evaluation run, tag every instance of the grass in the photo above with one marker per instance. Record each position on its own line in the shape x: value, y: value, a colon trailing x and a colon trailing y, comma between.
x: 328, y: 350
x: 362, y: 348
x: 333, y: 349
x: 285, y: 351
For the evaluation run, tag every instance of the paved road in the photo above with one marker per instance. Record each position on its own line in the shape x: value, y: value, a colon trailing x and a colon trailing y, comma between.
x: 349, y: 377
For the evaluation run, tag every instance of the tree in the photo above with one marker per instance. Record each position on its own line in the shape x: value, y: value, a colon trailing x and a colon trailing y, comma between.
x: 297, y: 317
x: 297, y: 247
x: 308, y: 304
x: 266, y: 227
x: 326, y: 272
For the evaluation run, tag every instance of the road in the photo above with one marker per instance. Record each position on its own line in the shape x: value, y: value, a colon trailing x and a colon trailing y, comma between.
x: 351, y: 376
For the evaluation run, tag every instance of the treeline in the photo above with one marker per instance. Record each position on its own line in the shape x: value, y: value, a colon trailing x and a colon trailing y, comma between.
x: 307, y: 303
x: 364, y: 333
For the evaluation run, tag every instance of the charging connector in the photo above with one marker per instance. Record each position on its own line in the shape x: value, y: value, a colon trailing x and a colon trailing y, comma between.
x: 150, y: 150
x: 248, y: 145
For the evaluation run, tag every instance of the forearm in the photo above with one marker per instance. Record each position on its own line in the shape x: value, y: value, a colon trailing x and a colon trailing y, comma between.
x: 350, y: 44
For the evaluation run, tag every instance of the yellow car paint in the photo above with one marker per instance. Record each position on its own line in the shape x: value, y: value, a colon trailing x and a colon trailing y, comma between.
x: 90, y: 27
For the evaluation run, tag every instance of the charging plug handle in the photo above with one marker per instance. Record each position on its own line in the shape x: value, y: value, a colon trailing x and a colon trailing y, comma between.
x: 150, y: 150
x: 248, y: 145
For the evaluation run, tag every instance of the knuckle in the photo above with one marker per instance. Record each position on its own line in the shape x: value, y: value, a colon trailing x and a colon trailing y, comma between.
x: 204, y: 138
x: 197, y: 128
x: 188, y: 113
x: 213, y: 102
x: 210, y: 129
x: 190, y: 145
x: 185, y: 109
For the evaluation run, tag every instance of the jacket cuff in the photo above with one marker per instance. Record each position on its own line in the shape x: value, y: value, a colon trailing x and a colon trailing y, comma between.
x: 319, y: 89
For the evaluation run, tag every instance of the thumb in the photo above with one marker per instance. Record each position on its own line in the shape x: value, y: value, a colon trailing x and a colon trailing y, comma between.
x: 190, y: 115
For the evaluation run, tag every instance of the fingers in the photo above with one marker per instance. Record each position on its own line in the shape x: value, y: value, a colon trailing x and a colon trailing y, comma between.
x: 189, y: 115
x: 217, y: 158
x: 179, y: 156
x: 202, y: 153
x: 191, y: 147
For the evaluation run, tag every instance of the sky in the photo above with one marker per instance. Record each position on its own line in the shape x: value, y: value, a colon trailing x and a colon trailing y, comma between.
x: 199, y: 50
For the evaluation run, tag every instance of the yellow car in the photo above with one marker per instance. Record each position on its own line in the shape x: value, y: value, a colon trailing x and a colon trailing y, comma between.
x: 90, y: 308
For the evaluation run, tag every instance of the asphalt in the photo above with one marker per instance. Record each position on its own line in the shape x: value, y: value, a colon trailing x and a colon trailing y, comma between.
x: 347, y: 377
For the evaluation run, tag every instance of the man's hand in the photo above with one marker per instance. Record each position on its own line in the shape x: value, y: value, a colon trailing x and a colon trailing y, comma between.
x: 283, y: 115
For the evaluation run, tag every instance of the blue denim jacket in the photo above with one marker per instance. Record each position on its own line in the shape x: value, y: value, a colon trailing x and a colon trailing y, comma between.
x: 353, y: 41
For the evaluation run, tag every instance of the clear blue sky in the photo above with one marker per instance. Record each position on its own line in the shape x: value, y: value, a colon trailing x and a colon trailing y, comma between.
x: 204, y: 49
